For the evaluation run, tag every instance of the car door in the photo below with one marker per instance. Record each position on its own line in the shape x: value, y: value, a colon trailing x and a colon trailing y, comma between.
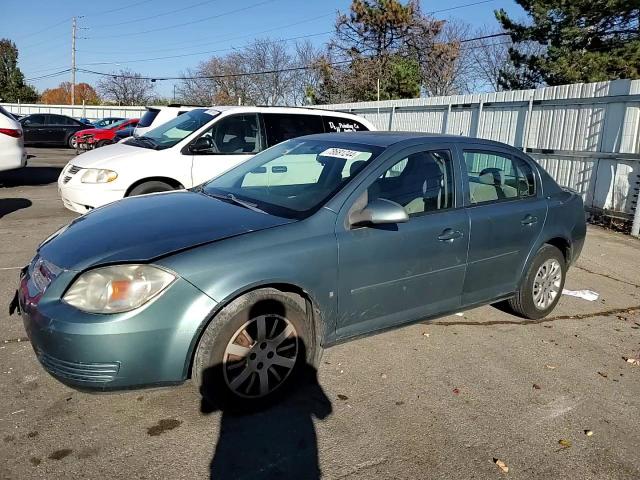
x: 57, y: 126
x: 507, y: 212
x: 393, y: 274
x: 233, y: 139
x: 34, y: 128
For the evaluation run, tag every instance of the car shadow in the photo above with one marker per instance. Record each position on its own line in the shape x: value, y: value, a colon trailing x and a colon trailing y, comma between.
x: 275, y: 441
x: 29, y: 176
x: 10, y: 205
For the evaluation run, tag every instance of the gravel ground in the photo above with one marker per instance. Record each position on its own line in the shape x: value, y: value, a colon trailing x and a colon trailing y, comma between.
x: 435, y: 400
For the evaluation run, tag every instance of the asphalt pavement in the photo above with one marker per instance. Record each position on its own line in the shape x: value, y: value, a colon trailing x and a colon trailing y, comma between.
x: 444, y: 399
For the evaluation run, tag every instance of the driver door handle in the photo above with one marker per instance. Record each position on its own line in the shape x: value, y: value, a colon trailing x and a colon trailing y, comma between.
x: 449, y: 235
x: 529, y: 220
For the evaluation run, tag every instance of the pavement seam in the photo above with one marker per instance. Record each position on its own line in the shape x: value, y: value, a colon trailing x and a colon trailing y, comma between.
x: 607, y: 276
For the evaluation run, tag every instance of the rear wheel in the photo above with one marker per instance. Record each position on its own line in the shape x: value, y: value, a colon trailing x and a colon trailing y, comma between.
x: 542, y: 286
x: 72, y: 142
x: 150, y: 187
x: 253, y: 350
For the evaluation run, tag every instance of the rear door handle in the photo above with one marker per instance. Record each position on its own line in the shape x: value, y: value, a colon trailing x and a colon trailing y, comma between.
x: 449, y: 235
x: 529, y: 220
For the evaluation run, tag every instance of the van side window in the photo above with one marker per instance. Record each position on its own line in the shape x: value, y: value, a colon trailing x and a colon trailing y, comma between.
x: 280, y: 127
x: 493, y: 176
x: 237, y: 134
x: 339, y: 124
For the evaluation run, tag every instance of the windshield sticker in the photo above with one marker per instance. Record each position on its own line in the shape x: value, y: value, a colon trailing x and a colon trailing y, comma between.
x: 212, y: 112
x: 340, y: 153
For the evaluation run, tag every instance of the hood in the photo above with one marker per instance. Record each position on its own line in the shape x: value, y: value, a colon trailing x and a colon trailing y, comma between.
x: 107, y: 154
x: 139, y: 229
x: 90, y: 131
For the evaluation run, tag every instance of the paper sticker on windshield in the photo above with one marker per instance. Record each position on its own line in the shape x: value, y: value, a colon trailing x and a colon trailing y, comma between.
x: 340, y: 153
x: 212, y: 112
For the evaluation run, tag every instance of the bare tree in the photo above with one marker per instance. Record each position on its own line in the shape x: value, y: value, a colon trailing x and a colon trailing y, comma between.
x: 126, y: 88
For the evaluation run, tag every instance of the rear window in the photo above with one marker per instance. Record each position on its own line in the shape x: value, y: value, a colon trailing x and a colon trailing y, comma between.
x: 281, y: 127
x: 148, y: 117
x: 340, y: 124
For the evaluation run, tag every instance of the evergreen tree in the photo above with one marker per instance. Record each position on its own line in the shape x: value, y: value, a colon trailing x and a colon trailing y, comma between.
x: 12, y: 85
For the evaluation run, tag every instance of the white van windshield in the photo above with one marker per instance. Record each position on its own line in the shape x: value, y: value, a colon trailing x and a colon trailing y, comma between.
x: 169, y: 134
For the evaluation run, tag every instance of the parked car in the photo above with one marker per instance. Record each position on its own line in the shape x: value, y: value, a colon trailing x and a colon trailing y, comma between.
x: 156, y: 116
x: 50, y: 129
x: 99, y: 137
x: 86, y: 121
x: 238, y: 282
x: 123, y: 134
x: 188, y: 150
x: 106, y: 122
x: 12, y: 152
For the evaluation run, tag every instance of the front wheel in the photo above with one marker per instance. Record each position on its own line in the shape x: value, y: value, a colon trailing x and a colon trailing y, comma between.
x: 253, y: 350
x: 150, y: 187
x: 540, y: 290
x: 72, y: 141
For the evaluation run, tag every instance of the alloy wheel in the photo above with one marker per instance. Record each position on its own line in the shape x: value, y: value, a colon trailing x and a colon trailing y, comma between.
x: 260, y: 356
x: 546, y: 284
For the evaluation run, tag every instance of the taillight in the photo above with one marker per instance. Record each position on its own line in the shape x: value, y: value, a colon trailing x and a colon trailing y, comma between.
x: 12, y: 132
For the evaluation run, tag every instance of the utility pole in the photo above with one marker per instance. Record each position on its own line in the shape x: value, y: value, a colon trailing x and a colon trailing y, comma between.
x: 73, y: 61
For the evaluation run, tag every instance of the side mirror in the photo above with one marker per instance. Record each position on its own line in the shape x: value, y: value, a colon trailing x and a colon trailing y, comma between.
x: 201, y: 145
x: 380, y: 211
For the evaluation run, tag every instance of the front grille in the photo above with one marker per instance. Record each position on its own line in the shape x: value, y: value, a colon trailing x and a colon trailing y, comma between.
x: 82, y: 372
x: 70, y: 172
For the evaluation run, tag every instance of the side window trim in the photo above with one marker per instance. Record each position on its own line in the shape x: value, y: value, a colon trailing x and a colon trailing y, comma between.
x: 484, y: 149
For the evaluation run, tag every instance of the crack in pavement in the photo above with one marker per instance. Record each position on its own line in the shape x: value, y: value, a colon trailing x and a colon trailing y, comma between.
x: 606, y: 275
x: 579, y: 316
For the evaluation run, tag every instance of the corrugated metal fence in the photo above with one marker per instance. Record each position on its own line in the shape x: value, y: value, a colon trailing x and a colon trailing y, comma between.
x: 587, y: 136
x: 92, y: 112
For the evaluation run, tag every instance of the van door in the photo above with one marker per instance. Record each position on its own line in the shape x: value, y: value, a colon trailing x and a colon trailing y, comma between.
x: 228, y: 142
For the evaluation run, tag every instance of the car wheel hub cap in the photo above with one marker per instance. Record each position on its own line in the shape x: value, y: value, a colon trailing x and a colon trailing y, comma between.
x: 260, y: 356
x: 546, y: 285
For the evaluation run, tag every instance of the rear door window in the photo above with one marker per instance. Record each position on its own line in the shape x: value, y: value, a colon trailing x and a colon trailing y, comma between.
x: 280, y: 127
x: 339, y: 124
x: 148, y: 117
x: 493, y: 176
x: 35, y: 120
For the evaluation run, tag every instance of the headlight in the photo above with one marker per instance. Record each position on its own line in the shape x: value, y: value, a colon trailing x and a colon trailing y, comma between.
x: 98, y: 175
x: 119, y: 288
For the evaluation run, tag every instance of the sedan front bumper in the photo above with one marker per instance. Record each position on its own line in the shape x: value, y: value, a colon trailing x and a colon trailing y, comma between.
x: 149, y: 346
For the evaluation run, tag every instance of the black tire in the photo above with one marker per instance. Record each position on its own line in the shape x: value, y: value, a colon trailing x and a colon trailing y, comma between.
x: 153, y: 186
x: 71, y: 142
x: 523, y: 302
x: 213, y: 377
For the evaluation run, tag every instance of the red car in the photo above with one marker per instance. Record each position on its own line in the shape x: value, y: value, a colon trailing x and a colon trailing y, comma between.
x: 99, y: 137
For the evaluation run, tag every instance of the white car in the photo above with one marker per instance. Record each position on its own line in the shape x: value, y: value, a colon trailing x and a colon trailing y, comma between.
x: 156, y: 116
x: 189, y: 150
x: 12, y: 152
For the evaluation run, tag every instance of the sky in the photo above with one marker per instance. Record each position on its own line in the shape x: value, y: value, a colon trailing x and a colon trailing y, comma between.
x: 140, y: 34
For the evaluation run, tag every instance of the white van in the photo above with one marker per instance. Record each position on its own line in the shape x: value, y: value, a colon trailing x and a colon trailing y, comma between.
x: 12, y: 152
x: 156, y: 116
x: 189, y: 150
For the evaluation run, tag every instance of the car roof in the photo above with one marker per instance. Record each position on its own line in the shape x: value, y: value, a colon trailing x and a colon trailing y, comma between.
x: 386, y: 139
x: 276, y: 109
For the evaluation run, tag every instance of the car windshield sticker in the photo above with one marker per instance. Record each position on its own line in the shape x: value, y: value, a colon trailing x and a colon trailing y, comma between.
x: 213, y: 112
x: 340, y: 153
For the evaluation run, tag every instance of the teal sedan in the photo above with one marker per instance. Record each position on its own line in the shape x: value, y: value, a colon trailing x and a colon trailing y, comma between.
x: 240, y: 282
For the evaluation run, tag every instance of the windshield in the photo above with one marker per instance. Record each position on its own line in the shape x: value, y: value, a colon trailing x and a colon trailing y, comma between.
x: 117, y: 124
x: 174, y: 131
x: 295, y: 178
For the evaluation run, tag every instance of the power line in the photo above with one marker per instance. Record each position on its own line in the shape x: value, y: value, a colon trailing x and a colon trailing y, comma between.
x: 50, y: 75
x: 158, y: 15
x: 46, y: 29
x: 177, y: 25
x: 204, y: 52
x: 223, y: 39
x: 460, y: 6
x: 126, y: 7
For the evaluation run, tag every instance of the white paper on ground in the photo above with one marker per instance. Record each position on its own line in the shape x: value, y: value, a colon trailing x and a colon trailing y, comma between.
x: 585, y: 294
